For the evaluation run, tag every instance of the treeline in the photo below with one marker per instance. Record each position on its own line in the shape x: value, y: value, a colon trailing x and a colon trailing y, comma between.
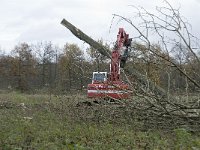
x: 177, y: 70
x: 46, y: 66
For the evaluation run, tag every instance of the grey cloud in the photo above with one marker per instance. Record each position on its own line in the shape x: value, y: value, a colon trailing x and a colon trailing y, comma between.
x: 39, y: 20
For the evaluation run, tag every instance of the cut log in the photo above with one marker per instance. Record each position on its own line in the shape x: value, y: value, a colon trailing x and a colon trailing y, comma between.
x: 82, y: 36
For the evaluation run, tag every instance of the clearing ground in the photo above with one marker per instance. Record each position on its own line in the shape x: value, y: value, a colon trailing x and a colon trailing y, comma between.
x: 74, y: 122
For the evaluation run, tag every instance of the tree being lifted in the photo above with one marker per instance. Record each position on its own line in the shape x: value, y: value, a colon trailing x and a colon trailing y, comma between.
x: 101, y: 86
x: 166, y: 22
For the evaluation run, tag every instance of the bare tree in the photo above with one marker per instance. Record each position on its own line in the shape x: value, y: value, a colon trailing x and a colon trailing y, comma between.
x: 169, y: 29
x: 46, y: 53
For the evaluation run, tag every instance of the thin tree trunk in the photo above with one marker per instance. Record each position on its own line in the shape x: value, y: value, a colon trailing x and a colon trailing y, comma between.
x: 70, y: 83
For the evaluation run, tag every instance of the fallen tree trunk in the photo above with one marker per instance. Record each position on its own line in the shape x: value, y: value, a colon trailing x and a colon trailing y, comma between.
x: 82, y: 36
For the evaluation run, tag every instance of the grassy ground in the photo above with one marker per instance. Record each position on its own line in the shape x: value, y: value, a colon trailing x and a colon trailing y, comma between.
x: 66, y: 122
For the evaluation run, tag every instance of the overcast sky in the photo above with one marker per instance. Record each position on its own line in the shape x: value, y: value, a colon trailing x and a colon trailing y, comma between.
x: 33, y: 21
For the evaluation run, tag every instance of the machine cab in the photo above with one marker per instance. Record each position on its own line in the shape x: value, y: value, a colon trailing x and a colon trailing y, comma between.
x: 99, y: 77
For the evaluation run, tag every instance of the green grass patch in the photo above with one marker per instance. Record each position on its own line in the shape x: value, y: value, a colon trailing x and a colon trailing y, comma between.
x: 44, y: 123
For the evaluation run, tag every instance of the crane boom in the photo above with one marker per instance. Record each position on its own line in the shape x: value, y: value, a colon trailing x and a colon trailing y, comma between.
x: 118, y: 59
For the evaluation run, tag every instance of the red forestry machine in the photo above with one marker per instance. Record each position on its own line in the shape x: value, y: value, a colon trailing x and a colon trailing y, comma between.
x: 110, y: 85
x: 107, y: 85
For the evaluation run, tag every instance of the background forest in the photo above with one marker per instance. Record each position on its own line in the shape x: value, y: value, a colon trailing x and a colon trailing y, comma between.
x: 30, y: 68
